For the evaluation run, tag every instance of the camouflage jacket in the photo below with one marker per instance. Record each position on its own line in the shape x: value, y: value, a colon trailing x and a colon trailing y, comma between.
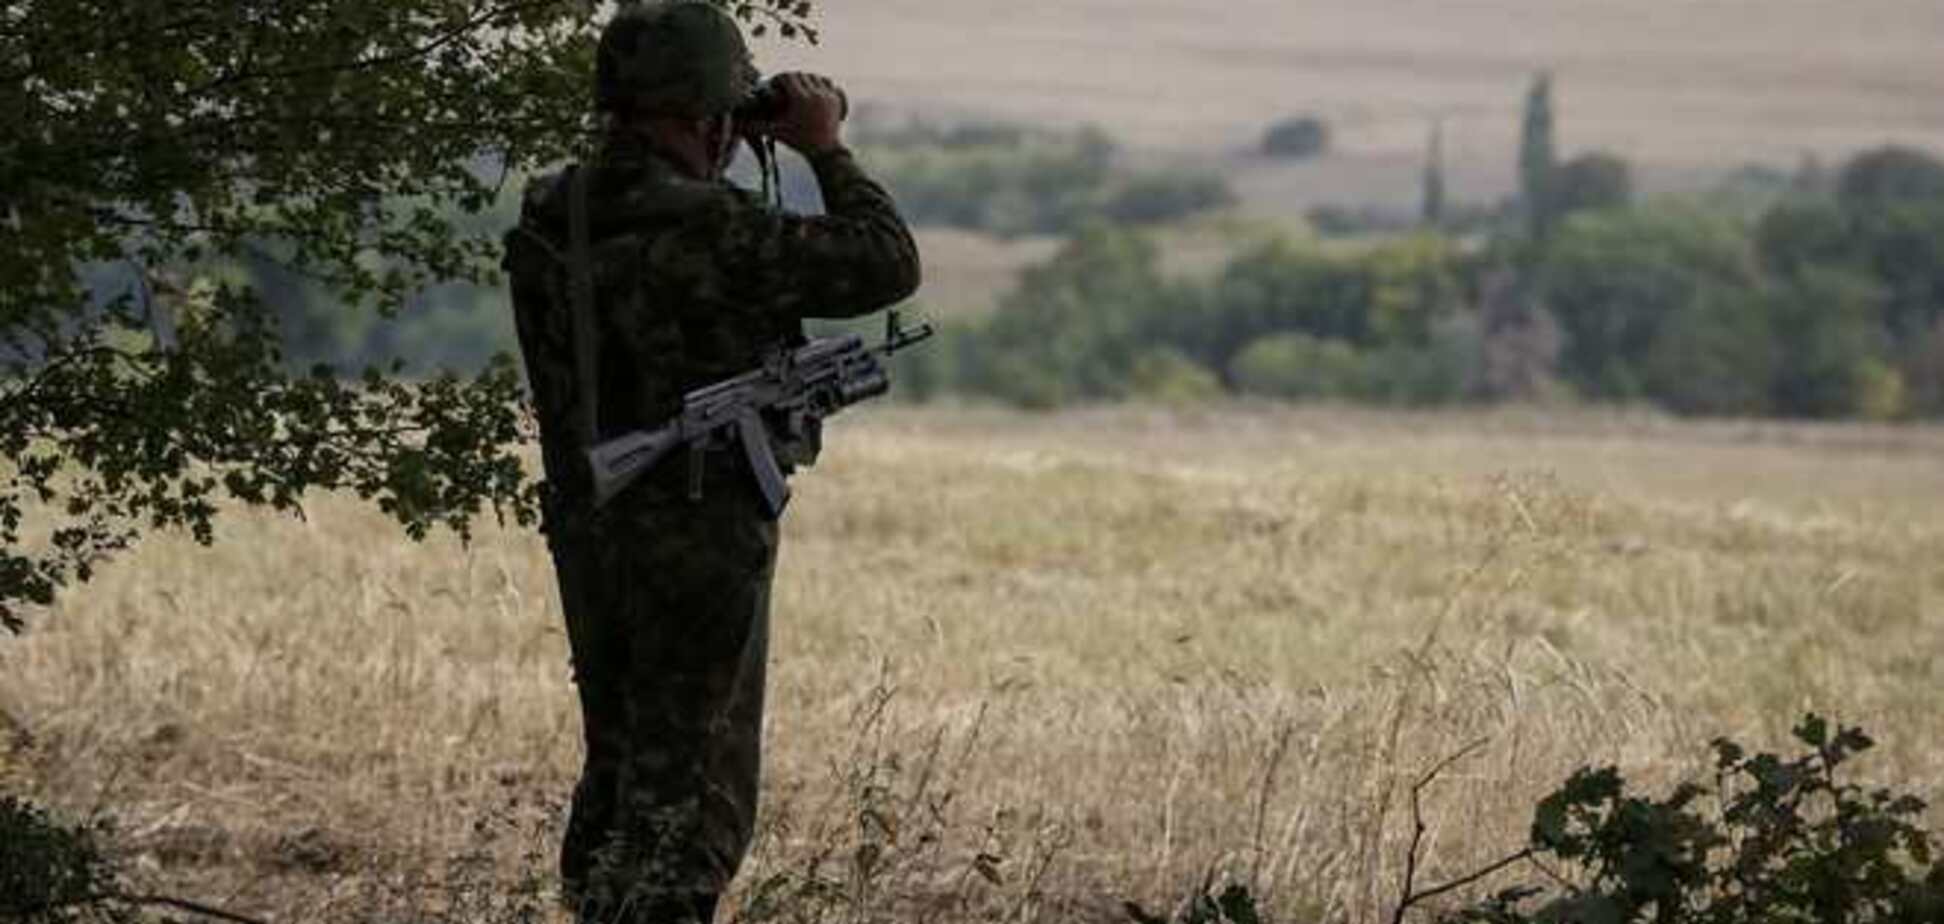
x: 693, y: 282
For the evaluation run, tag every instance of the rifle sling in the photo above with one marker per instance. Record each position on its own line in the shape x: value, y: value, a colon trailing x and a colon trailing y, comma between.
x: 587, y: 357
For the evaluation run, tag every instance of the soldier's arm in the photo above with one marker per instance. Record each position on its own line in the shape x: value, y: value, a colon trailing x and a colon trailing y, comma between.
x: 856, y: 258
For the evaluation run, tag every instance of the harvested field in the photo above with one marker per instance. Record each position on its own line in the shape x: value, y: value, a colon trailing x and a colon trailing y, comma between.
x: 1131, y: 644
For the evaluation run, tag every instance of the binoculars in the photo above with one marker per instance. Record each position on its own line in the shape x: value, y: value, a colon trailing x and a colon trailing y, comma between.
x: 769, y: 102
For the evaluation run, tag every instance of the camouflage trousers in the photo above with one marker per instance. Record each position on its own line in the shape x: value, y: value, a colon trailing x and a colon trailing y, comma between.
x: 667, y: 606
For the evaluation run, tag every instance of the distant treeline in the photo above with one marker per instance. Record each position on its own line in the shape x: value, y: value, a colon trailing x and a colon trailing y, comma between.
x: 1828, y: 303
x: 1826, y: 300
x: 1010, y: 180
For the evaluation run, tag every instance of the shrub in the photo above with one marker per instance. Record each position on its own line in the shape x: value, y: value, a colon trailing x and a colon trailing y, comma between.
x: 1166, y: 374
x: 1889, y: 175
x: 1293, y: 365
x: 53, y: 873
x: 1591, y: 181
x: 1767, y: 840
x: 1157, y: 198
x: 1297, y: 138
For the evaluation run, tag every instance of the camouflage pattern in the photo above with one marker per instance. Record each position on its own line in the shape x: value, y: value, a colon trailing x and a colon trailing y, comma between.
x: 673, y: 57
x: 667, y: 599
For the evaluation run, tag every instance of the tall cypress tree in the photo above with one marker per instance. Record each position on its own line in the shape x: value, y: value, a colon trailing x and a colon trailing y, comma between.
x: 1434, y: 179
x: 1536, y: 158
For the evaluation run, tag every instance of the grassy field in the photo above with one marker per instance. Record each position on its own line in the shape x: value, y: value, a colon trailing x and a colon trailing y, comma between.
x: 1674, y: 82
x: 1110, y: 650
x: 1686, y: 91
x: 1674, y: 87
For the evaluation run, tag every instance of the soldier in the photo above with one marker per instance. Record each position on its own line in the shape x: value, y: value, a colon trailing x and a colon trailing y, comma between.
x: 636, y: 277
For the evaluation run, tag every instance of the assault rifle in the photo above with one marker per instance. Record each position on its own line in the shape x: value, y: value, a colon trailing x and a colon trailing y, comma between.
x: 798, y: 386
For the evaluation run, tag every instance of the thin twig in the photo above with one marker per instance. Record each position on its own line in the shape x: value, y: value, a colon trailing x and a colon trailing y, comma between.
x: 183, y: 904
x: 1417, y: 836
x: 1459, y: 883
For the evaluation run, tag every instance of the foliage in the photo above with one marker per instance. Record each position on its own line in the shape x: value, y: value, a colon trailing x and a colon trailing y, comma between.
x: 1595, y: 180
x: 1297, y: 138
x: 1158, y: 198
x: 1076, y: 326
x: 341, y: 142
x: 1616, y: 279
x: 1431, y: 200
x: 1296, y: 365
x: 1718, y: 356
x: 54, y: 873
x: 1770, y: 839
x: 1813, y: 307
x: 1234, y: 904
x: 1537, y: 160
x: 1010, y: 180
x: 1283, y: 319
x: 1891, y: 174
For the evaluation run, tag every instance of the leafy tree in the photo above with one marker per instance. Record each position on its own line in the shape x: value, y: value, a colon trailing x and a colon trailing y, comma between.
x: 1158, y: 198
x: 1003, y: 180
x: 1591, y: 181
x: 1279, y: 287
x: 1077, y: 325
x: 1615, y: 279
x: 1715, y: 355
x: 336, y: 140
x: 1794, y: 237
x: 1832, y: 346
x: 1297, y: 138
x: 1891, y: 174
x: 1432, y: 208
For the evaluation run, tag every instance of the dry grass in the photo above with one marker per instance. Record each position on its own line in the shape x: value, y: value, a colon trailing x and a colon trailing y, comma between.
x: 1129, y: 644
x: 1671, y: 86
x: 1685, y: 82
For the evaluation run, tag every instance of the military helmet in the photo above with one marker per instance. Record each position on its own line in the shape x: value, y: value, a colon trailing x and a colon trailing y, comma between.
x: 672, y: 57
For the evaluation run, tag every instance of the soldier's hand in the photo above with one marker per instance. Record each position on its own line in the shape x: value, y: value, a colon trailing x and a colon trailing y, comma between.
x: 814, y: 118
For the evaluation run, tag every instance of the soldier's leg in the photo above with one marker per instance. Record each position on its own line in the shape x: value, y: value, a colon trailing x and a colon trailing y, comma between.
x: 597, y: 638
x: 736, y: 751
x: 698, y: 640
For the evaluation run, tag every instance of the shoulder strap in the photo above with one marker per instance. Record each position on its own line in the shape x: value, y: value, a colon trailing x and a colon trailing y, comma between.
x: 587, y: 355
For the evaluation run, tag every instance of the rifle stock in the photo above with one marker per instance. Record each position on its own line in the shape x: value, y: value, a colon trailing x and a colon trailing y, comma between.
x: 619, y: 461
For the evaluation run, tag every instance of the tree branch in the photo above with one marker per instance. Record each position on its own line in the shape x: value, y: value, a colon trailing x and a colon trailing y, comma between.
x: 437, y: 42
x: 1418, y: 828
x: 183, y: 904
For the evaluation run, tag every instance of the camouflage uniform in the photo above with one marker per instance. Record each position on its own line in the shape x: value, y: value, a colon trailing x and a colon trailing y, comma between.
x: 667, y: 598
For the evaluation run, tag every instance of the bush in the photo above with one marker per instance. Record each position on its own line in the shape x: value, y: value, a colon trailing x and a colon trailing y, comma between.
x: 1158, y: 198
x: 1293, y: 365
x: 1297, y: 138
x: 53, y: 873
x: 1166, y: 374
x: 1767, y: 840
x: 1890, y: 175
x: 1002, y: 181
x: 1591, y: 181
